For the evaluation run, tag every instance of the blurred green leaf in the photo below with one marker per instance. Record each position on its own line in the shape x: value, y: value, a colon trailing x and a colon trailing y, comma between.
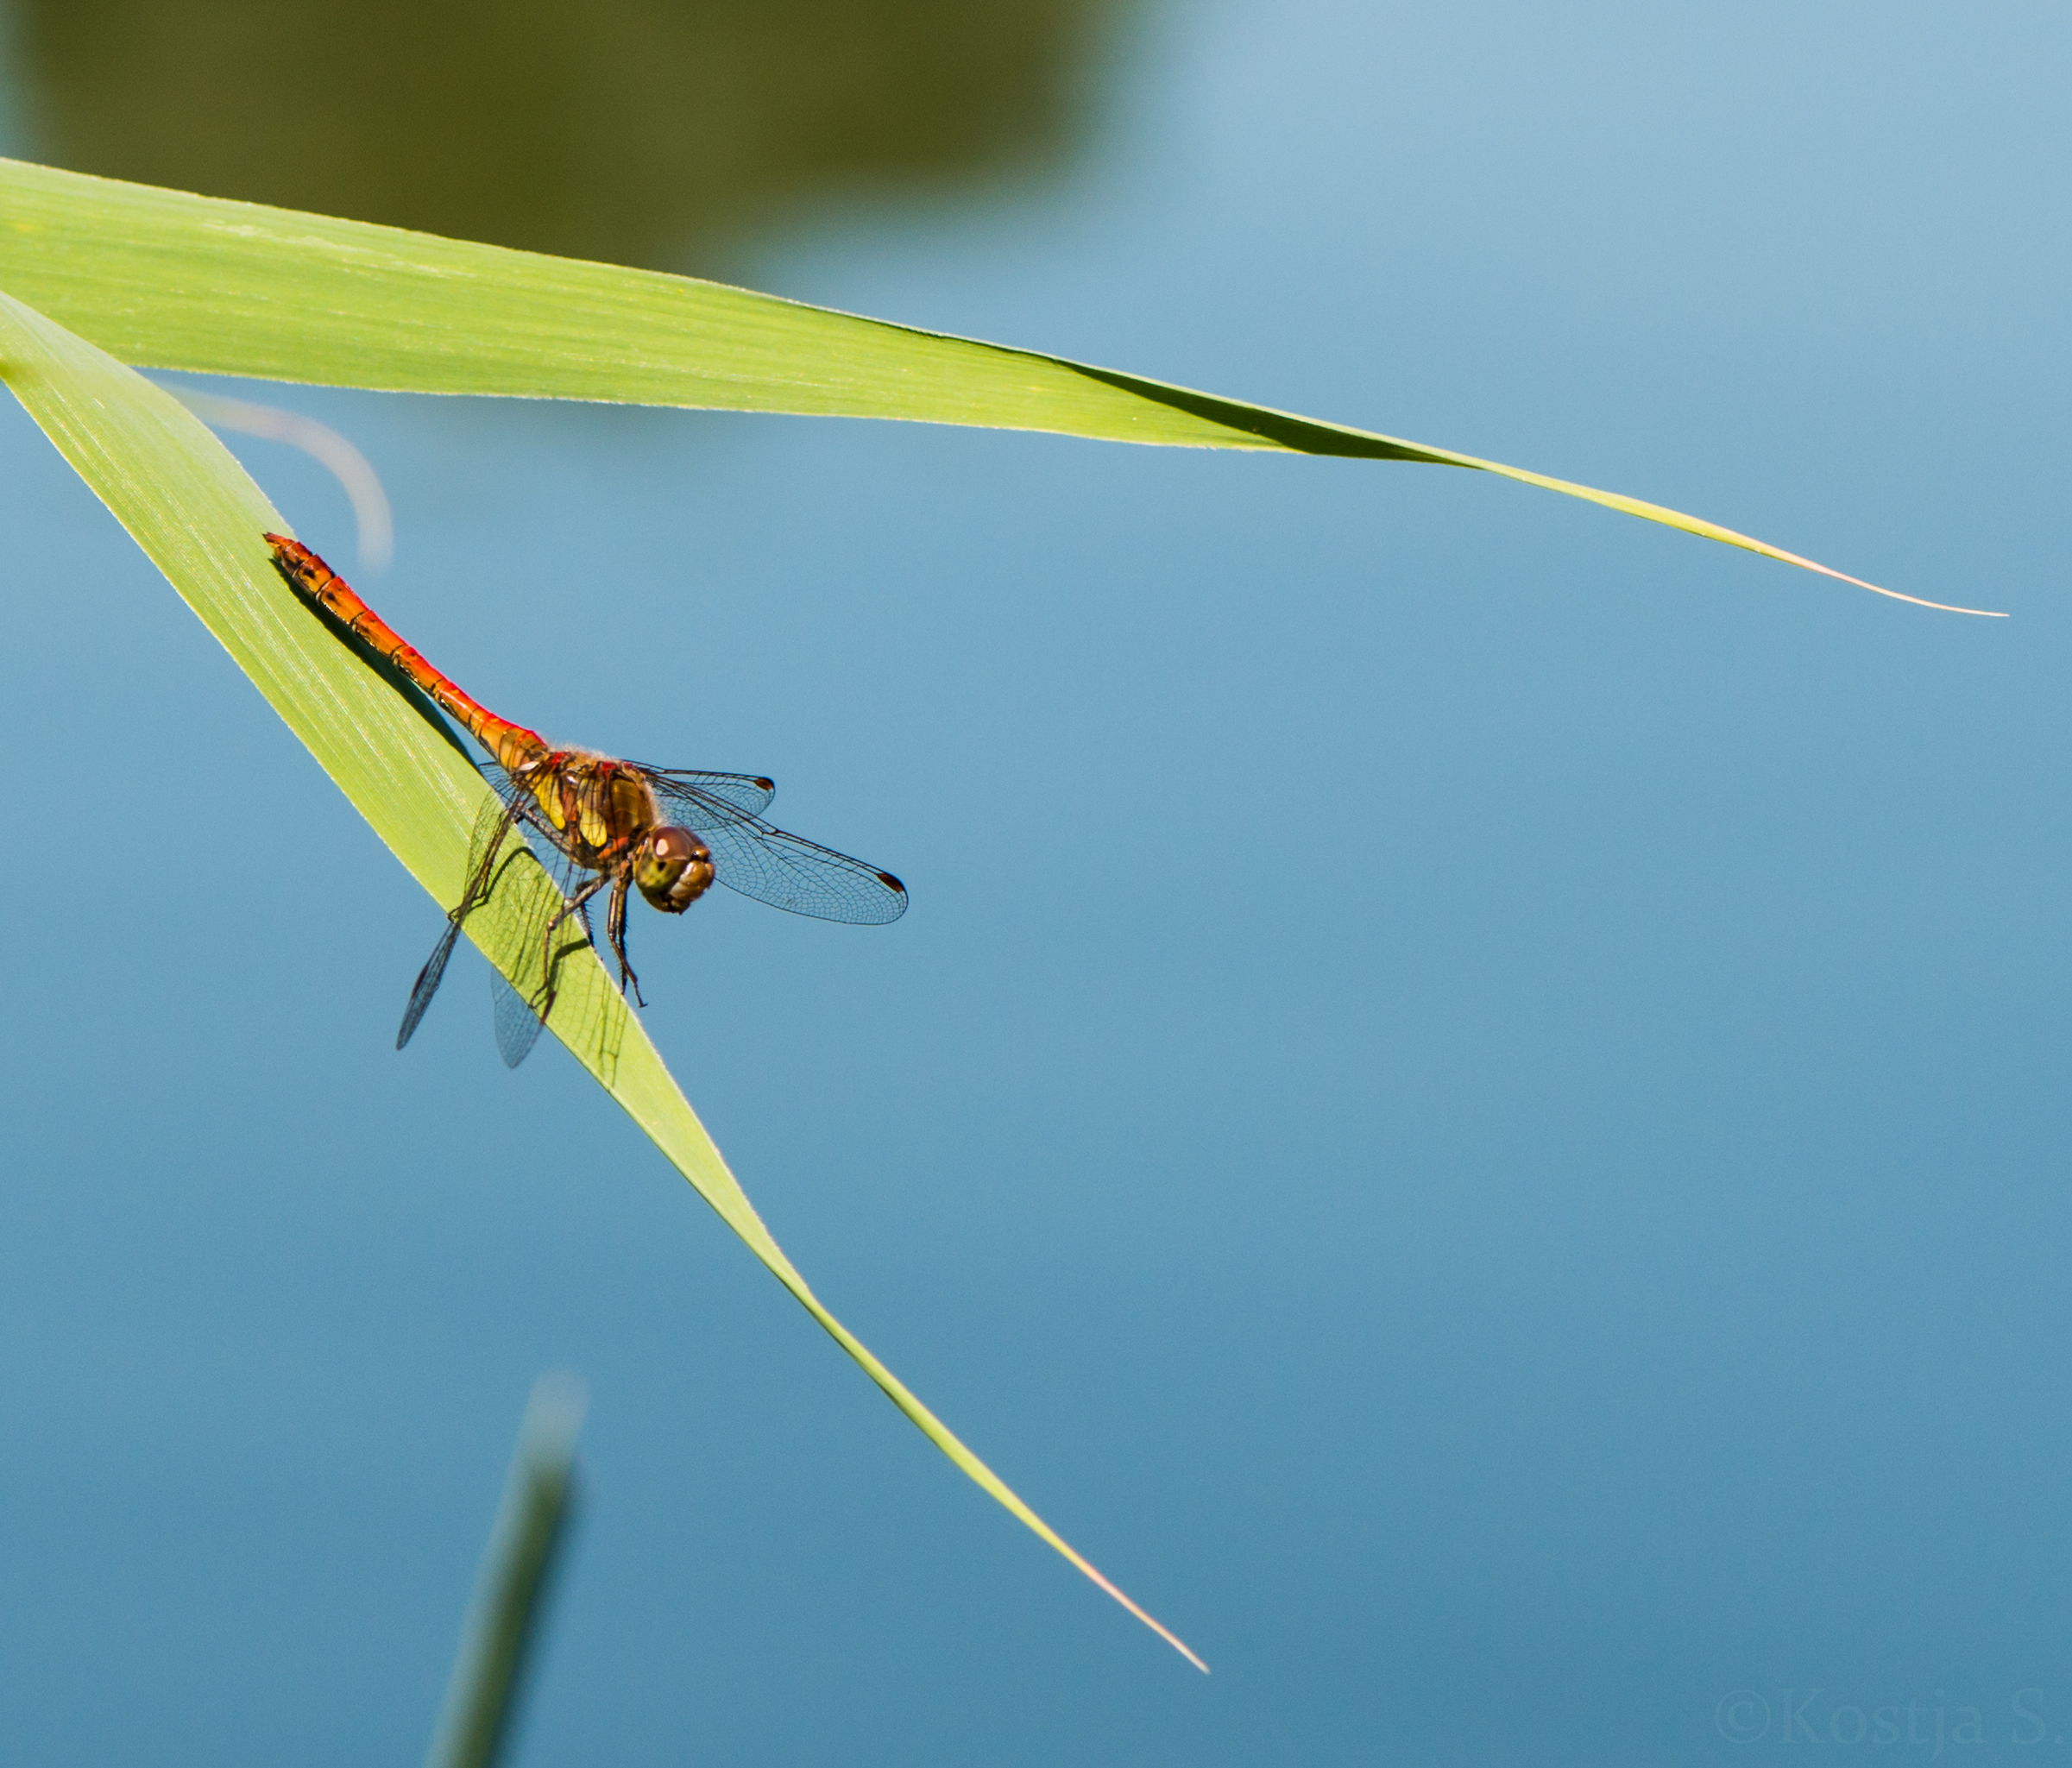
x: 167, y: 280
x: 199, y: 518
x: 640, y: 131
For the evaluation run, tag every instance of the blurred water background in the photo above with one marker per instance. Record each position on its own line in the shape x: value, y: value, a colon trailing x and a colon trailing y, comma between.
x: 1471, y: 1101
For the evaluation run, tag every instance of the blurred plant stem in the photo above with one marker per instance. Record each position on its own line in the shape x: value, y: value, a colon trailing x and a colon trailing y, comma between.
x: 356, y: 475
x: 510, y: 1595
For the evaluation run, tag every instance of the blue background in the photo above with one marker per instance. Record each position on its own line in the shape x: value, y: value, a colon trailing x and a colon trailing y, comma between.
x: 1472, y: 1099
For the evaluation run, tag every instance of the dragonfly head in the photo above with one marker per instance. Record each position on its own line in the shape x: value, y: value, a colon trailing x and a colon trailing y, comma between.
x: 673, y: 868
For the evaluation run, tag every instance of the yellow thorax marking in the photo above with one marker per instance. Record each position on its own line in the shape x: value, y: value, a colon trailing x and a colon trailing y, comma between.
x: 595, y: 830
x: 548, y: 791
x: 603, y: 806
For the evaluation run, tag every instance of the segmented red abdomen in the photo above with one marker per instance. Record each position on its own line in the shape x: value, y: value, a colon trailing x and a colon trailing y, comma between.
x: 512, y: 745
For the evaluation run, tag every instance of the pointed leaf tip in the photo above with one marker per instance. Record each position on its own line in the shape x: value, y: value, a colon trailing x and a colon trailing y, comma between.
x: 152, y: 276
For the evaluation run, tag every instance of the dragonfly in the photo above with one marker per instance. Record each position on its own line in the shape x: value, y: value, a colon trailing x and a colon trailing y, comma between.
x: 600, y: 826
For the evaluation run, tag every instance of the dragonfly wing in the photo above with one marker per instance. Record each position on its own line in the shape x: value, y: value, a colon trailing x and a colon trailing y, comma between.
x: 785, y: 871
x: 428, y: 982
x: 518, y: 1027
x: 518, y: 922
x: 522, y: 934
x: 748, y: 792
x: 492, y: 834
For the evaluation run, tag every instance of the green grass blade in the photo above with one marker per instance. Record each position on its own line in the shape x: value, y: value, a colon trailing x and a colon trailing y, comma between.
x: 163, y: 280
x: 502, y: 1628
x: 198, y: 516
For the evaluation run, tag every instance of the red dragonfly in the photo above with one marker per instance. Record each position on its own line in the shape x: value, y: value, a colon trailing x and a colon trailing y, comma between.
x: 598, y: 824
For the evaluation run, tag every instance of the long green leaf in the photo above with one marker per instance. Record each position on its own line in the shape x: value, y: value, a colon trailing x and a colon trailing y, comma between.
x: 167, y: 280
x: 199, y: 517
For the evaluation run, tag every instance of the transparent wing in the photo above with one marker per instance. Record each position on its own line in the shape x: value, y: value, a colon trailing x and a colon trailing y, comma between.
x: 748, y: 792
x: 514, y: 920
x: 518, y: 1027
x: 785, y: 871
x: 519, y: 1018
x: 428, y: 983
x: 491, y: 830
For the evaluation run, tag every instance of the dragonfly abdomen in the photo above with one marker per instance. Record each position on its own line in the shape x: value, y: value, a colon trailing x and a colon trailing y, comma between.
x: 514, y: 745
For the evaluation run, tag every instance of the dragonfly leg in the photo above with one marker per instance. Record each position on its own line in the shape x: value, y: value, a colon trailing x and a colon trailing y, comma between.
x: 615, y: 925
x: 550, y: 969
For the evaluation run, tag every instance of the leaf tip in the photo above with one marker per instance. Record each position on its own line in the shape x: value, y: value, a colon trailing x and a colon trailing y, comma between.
x: 1157, y: 1626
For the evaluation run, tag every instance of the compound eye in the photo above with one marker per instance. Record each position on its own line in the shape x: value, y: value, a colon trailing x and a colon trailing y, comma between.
x: 676, y: 846
x: 674, y: 869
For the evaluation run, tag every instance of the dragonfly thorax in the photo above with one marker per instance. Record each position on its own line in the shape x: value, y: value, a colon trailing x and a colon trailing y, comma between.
x: 602, y: 813
x: 596, y: 810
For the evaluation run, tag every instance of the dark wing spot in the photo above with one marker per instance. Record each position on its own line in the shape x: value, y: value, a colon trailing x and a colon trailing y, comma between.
x: 767, y: 785
x: 886, y: 878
